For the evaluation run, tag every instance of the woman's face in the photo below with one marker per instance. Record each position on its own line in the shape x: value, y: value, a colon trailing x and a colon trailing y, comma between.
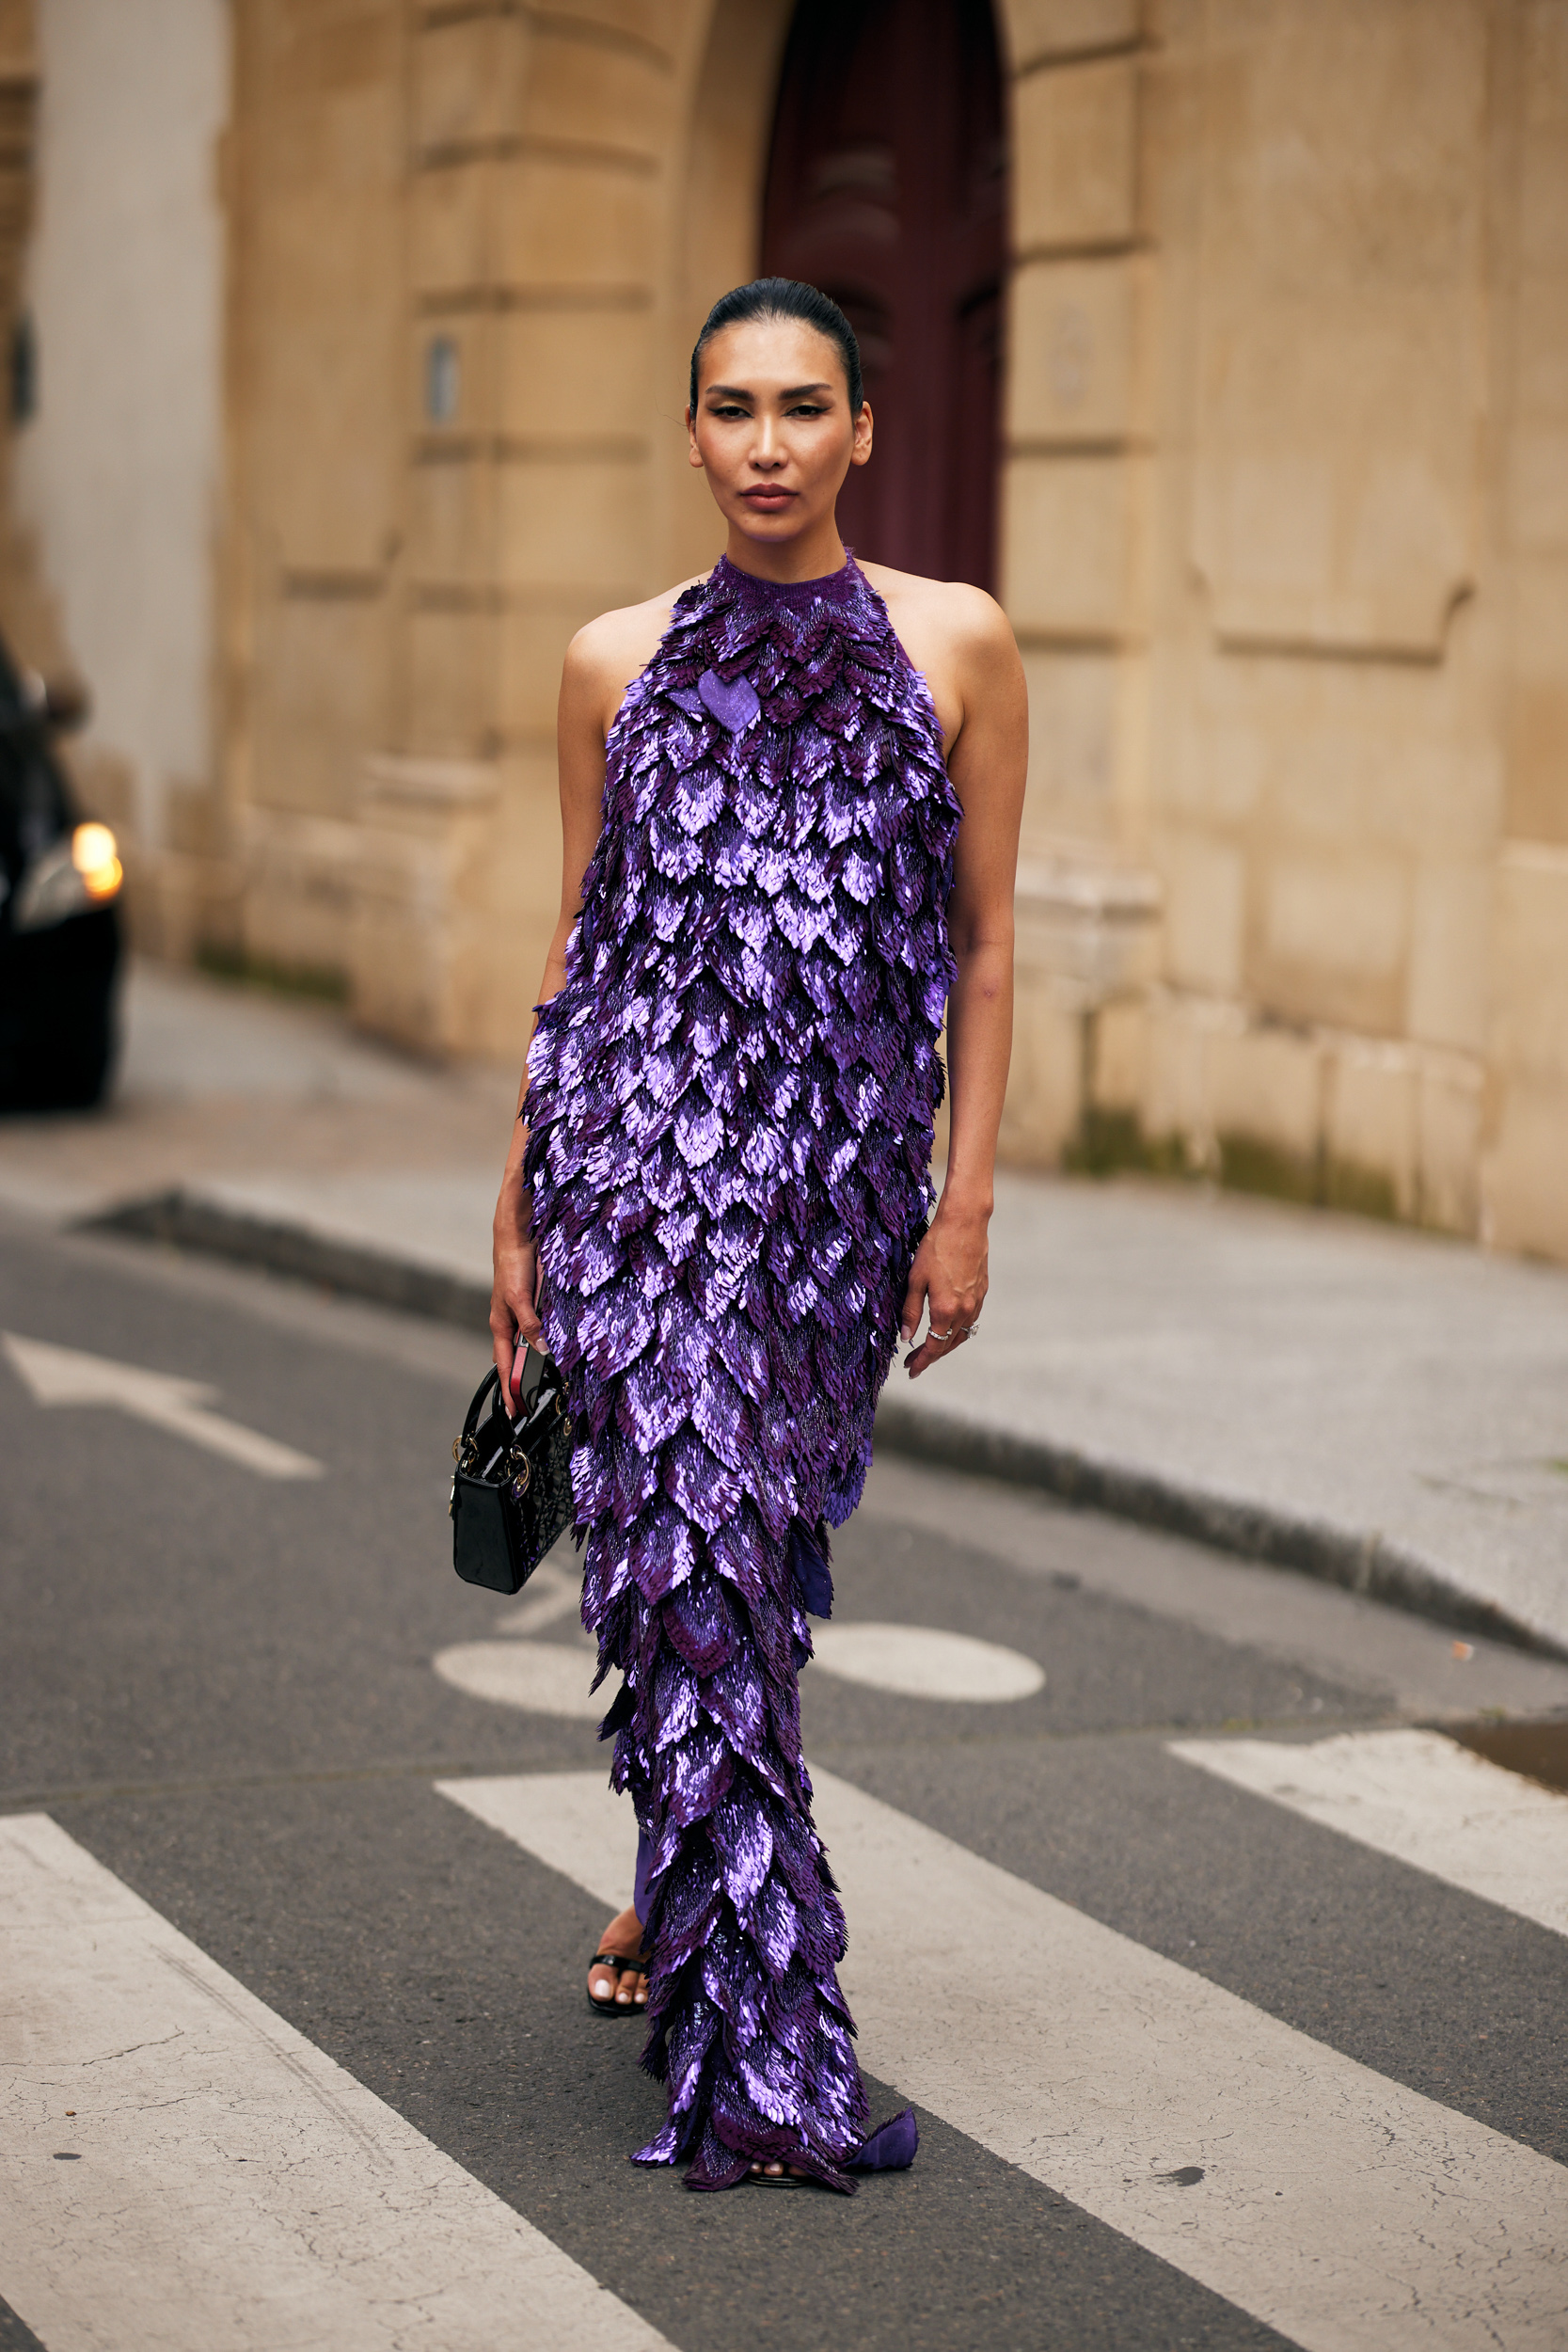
x: 772, y: 429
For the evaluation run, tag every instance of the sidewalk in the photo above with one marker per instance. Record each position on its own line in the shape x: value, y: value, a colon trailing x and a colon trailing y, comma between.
x: 1376, y: 1406
x: 220, y: 1083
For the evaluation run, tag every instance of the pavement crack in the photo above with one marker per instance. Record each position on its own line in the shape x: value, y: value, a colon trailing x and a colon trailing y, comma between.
x: 107, y: 2057
x: 305, y: 2074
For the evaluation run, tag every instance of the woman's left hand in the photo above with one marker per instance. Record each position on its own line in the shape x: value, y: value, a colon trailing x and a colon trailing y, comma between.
x: 949, y: 1279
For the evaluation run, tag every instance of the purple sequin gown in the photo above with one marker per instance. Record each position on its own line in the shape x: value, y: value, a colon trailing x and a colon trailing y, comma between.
x: 731, y: 1107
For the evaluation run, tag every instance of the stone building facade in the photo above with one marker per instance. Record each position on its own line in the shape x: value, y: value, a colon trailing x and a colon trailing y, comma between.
x: 1283, y: 517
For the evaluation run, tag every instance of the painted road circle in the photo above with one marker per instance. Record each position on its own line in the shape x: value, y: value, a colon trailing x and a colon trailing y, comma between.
x: 916, y: 1661
x: 545, y: 1677
x: 919, y: 1662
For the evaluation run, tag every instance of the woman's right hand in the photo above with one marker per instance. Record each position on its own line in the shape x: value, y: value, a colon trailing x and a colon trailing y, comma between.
x: 515, y: 1306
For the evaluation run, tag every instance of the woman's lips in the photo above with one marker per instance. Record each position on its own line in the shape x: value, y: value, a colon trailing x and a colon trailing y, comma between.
x: 768, y: 497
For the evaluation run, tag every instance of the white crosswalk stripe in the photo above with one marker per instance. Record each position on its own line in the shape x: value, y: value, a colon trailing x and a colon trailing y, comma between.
x: 232, y: 2189
x: 1420, y: 1798
x: 1337, y: 2206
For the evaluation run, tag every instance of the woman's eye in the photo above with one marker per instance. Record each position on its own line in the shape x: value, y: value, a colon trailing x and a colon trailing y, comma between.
x: 808, y: 408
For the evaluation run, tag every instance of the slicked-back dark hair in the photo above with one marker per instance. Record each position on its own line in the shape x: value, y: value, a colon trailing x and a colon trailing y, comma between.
x: 785, y: 298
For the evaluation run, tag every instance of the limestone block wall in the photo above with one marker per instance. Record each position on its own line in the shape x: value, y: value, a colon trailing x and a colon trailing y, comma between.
x: 1285, y: 547
x: 1323, y: 774
x: 458, y: 436
x: 316, y: 438
x: 1075, y: 517
x: 1524, y: 1194
x: 1285, y: 536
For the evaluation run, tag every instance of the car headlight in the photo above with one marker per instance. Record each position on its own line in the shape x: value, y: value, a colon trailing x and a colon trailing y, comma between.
x: 79, y: 871
x: 96, y: 857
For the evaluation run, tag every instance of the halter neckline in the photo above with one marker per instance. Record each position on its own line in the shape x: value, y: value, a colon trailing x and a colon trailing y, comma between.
x: 833, y: 587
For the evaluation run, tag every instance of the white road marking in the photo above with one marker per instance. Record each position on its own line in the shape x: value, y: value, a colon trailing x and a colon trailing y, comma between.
x: 1404, y: 1661
x: 235, y: 2190
x: 920, y: 1661
x: 547, y: 1677
x: 573, y: 1823
x: 550, y: 1678
x: 1420, y: 1798
x: 1337, y: 2206
x: 63, y: 1376
x: 552, y: 1591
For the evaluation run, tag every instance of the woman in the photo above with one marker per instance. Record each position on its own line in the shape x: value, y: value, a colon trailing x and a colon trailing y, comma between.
x: 790, y: 798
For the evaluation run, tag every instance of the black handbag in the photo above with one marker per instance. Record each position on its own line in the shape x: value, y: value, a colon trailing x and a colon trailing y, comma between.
x: 512, y: 1490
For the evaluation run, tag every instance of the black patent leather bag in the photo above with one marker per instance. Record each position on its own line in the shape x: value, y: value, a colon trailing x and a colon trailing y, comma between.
x: 512, y: 1490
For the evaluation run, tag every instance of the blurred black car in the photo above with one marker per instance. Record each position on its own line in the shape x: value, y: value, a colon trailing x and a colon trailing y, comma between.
x: 59, y: 917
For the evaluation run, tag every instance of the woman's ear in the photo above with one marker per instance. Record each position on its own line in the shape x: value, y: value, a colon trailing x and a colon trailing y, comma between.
x: 694, y: 455
x: 860, y: 447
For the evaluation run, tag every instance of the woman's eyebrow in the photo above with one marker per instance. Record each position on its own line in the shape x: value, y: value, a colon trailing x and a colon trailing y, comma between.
x: 742, y: 392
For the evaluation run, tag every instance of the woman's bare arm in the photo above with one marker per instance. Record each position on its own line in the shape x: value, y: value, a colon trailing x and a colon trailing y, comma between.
x: 601, y: 661
x: 988, y: 765
x: 587, y: 681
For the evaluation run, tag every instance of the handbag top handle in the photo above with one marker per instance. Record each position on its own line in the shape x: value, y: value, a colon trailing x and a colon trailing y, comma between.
x: 537, y: 1387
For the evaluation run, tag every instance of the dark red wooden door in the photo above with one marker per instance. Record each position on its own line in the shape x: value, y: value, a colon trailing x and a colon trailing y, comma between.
x: 887, y: 187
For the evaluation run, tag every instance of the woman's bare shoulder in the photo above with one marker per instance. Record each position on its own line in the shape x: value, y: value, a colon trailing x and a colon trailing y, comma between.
x: 608, y: 652
x: 947, y: 612
x: 958, y: 637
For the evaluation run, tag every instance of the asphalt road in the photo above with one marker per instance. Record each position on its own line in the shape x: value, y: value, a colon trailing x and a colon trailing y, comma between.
x: 220, y: 1685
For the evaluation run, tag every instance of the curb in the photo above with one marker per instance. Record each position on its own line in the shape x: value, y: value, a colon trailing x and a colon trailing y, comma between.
x: 1253, y: 1531
x: 188, y: 1221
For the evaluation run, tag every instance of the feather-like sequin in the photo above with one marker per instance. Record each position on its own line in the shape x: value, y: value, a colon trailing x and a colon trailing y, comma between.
x: 731, y: 1109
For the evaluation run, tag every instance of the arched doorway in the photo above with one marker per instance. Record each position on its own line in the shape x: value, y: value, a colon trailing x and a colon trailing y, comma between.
x: 887, y: 186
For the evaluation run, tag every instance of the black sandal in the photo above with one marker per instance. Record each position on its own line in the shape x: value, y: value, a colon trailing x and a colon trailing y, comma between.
x: 624, y: 1964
